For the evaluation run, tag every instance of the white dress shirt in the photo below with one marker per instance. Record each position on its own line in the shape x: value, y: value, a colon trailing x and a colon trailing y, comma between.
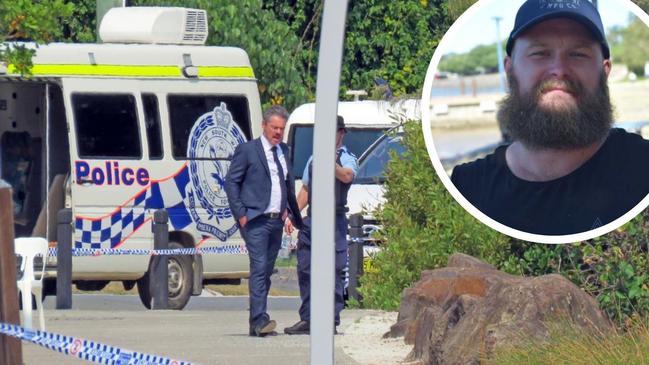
x: 275, y: 191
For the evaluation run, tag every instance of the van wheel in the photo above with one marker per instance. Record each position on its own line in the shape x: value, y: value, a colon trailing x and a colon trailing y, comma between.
x: 181, y: 279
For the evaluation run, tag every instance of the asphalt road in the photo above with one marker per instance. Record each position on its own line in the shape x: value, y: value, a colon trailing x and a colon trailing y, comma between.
x: 99, y: 302
x: 211, y: 330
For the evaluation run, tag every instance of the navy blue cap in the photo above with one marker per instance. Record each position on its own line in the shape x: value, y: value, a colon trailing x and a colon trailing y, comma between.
x: 340, y: 123
x: 533, y: 12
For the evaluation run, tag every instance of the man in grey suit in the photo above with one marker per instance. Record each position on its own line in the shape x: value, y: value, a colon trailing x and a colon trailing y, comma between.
x: 261, y: 193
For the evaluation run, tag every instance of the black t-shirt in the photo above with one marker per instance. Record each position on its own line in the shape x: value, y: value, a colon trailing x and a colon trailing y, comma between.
x: 604, y: 188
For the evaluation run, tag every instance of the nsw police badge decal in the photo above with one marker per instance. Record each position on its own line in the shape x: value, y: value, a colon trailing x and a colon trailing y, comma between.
x: 212, y: 142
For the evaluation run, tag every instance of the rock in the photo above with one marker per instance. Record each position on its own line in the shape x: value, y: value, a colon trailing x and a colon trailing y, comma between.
x: 463, y: 260
x: 457, y: 314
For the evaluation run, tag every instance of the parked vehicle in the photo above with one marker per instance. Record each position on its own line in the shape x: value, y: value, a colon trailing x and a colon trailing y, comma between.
x: 115, y: 131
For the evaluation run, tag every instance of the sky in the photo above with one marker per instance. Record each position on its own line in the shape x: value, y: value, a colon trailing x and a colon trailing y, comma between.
x: 481, y: 28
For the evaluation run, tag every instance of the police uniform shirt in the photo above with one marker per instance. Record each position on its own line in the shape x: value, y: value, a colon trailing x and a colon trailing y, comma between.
x: 347, y: 160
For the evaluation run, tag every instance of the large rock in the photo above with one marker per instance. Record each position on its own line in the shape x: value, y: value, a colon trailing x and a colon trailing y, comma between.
x: 457, y: 314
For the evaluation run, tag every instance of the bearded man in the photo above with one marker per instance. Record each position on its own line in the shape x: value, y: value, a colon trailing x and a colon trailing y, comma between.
x: 566, y: 171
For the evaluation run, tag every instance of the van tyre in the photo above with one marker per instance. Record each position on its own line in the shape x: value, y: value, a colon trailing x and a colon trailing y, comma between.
x: 181, y: 279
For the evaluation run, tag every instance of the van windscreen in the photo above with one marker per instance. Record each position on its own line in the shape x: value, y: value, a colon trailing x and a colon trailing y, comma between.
x: 357, y: 141
x: 371, y: 169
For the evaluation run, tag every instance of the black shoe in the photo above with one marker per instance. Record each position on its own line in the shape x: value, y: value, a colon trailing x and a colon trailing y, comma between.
x: 263, y: 329
x: 300, y: 328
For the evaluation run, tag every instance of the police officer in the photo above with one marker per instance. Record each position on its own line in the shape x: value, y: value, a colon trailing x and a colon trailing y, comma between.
x: 346, y: 168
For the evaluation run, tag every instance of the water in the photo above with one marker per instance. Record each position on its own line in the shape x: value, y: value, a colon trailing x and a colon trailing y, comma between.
x: 454, y: 142
x: 440, y: 92
x: 466, y: 86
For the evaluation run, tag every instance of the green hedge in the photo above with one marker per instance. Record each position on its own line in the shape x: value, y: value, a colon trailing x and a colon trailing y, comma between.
x: 614, y: 268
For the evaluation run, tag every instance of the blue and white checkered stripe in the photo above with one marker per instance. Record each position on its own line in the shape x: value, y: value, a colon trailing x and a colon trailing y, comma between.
x: 109, y: 231
x: 84, y: 349
x: 231, y: 250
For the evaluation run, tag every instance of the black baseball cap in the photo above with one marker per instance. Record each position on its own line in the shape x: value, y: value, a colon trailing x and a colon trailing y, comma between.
x: 340, y: 123
x: 533, y: 12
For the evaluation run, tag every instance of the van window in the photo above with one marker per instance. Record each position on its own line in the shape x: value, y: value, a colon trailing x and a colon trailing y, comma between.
x: 371, y: 169
x: 357, y: 141
x: 185, y: 110
x: 152, y: 122
x: 106, y: 126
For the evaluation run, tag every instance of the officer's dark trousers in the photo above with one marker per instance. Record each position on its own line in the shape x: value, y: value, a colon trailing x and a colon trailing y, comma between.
x: 304, y: 266
x: 263, y: 238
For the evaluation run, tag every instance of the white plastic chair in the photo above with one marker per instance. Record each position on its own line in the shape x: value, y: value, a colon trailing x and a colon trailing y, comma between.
x: 31, y: 280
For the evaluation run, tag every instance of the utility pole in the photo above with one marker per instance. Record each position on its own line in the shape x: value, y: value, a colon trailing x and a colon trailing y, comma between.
x: 499, y: 48
x: 10, y: 347
x: 324, y: 134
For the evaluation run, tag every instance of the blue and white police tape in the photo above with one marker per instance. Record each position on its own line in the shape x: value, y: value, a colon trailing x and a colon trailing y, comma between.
x: 150, y: 252
x: 84, y: 349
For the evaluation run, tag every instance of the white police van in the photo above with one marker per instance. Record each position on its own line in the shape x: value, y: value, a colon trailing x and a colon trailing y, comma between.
x: 115, y: 131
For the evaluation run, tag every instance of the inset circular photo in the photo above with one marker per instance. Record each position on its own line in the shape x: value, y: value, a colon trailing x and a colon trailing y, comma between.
x: 536, y: 119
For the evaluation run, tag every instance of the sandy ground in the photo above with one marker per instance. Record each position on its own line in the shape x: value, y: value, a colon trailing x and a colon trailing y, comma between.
x: 363, y: 340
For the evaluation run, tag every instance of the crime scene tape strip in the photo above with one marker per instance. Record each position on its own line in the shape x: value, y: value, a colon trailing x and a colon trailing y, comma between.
x: 84, y: 349
x: 143, y: 252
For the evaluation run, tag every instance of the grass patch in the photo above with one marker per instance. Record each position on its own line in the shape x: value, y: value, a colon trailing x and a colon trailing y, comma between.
x: 291, y: 261
x: 114, y: 287
x: 242, y: 289
x: 568, y: 347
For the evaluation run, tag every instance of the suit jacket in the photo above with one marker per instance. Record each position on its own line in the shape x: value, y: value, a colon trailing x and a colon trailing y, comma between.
x: 248, y: 184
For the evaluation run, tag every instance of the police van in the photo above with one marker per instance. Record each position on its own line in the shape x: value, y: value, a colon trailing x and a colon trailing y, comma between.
x: 147, y: 120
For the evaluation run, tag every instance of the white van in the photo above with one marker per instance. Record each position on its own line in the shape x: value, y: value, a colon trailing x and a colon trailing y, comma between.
x: 115, y: 131
x: 366, y: 121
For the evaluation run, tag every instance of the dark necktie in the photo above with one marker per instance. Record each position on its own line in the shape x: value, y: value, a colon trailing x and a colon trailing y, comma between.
x: 282, y: 180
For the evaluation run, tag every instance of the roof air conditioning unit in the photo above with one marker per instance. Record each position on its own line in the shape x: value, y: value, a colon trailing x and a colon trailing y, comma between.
x: 154, y: 25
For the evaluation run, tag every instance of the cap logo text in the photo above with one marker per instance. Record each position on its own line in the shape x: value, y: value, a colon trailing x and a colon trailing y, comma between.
x: 559, y: 4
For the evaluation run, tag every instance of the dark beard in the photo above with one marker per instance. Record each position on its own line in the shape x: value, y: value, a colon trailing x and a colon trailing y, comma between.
x: 522, y: 119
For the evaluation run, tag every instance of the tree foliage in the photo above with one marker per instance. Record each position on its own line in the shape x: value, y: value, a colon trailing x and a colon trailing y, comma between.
x: 631, y: 45
x: 392, y: 40
x: 614, y: 268
x: 81, y: 24
x: 643, y: 4
x: 481, y: 59
x: 29, y: 20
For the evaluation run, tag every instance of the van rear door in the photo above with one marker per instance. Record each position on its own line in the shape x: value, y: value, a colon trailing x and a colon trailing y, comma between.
x: 109, y: 170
